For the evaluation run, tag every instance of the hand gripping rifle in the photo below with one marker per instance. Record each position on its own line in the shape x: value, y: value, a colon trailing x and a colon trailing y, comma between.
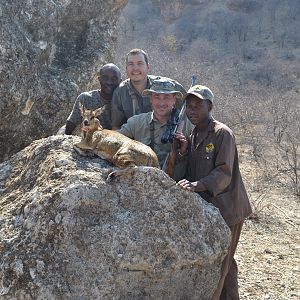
x: 175, y: 124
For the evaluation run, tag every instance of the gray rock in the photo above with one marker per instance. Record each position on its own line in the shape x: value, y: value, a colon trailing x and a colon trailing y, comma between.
x: 49, y: 53
x: 68, y: 234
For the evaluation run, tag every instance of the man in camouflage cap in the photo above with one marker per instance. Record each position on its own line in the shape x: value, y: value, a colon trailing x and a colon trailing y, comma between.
x: 163, y: 85
x: 149, y: 127
x: 128, y: 98
x: 213, y: 172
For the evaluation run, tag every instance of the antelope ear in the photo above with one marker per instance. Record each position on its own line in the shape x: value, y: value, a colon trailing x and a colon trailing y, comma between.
x: 98, y: 111
x: 82, y: 109
x: 99, y: 125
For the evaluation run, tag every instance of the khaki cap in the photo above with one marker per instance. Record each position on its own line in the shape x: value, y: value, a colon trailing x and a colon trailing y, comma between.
x: 202, y: 92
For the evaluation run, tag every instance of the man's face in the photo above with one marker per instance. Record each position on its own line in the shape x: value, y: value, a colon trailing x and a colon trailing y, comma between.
x: 162, y: 104
x: 109, y: 79
x: 136, y: 67
x: 197, y: 110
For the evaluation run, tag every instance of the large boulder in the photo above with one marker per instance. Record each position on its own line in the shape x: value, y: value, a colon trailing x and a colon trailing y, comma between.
x: 49, y: 52
x: 66, y: 233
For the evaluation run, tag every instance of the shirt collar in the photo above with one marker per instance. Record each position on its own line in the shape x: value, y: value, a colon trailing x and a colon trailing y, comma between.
x: 102, y: 99
x: 151, y: 118
x: 132, y: 89
x: 210, y: 126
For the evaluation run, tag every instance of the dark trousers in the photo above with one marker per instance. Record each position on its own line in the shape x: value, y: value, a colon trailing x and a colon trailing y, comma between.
x: 228, y: 284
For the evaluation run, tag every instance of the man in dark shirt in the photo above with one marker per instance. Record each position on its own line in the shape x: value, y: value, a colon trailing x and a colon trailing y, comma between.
x: 213, y: 172
x: 109, y: 78
x: 128, y: 99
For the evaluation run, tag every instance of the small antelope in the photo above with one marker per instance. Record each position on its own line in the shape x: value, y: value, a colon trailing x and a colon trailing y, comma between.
x: 113, y: 146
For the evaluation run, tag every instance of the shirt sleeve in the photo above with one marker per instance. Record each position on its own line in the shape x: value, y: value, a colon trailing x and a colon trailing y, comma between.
x: 220, y: 176
x: 127, y: 129
x: 75, y: 115
x: 117, y: 113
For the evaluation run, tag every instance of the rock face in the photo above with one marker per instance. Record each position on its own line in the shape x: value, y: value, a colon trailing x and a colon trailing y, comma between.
x: 49, y: 52
x: 68, y: 234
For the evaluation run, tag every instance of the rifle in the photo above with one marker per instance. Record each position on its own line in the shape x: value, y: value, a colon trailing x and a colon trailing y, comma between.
x: 175, y: 124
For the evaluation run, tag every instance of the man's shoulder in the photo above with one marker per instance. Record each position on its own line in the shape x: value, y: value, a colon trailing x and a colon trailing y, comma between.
x: 220, y: 127
x: 90, y: 94
x: 123, y: 84
x: 141, y: 119
x: 121, y: 90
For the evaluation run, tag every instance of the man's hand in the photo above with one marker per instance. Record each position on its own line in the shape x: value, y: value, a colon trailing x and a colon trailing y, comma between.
x: 195, y: 186
x: 183, y: 143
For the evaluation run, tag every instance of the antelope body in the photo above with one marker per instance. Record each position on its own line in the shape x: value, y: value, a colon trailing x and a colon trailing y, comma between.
x: 113, y: 146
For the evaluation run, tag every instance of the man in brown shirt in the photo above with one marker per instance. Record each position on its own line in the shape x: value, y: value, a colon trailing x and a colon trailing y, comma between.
x: 213, y: 172
x: 128, y: 98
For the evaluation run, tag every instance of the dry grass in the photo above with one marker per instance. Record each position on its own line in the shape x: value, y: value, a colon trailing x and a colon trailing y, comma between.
x: 268, y: 254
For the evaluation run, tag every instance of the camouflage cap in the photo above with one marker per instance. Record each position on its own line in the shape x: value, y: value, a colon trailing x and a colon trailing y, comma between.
x: 163, y: 86
x: 202, y: 92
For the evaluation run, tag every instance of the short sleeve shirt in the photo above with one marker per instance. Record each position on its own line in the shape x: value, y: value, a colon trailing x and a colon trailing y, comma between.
x: 138, y: 128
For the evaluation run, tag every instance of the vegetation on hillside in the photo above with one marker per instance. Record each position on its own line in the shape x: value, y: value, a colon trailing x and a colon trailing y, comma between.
x: 248, y: 53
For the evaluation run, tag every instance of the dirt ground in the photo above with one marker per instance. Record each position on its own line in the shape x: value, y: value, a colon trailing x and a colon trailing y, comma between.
x: 268, y: 254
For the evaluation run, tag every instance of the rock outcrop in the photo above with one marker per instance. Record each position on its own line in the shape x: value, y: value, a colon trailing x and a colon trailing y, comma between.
x: 49, y: 52
x: 68, y: 234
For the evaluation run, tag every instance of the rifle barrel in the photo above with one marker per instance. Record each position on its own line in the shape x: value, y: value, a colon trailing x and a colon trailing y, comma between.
x: 194, y: 78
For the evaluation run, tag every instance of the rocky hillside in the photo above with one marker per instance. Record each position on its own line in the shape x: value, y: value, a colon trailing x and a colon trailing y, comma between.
x: 49, y: 51
x: 201, y: 36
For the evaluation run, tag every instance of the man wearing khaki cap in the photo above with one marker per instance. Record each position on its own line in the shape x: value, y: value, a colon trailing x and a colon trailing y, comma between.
x: 213, y: 172
x: 149, y: 127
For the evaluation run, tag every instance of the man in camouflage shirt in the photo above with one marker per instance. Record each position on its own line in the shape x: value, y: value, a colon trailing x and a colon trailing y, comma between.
x: 128, y: 99
x: 109, y: 78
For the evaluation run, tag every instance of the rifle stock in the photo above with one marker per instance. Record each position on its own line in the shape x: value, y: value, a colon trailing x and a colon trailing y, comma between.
x: 170, y: 161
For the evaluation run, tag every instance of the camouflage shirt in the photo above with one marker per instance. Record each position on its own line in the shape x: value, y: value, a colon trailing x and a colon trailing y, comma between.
x: 127, y: 101
x: 92, y: 100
